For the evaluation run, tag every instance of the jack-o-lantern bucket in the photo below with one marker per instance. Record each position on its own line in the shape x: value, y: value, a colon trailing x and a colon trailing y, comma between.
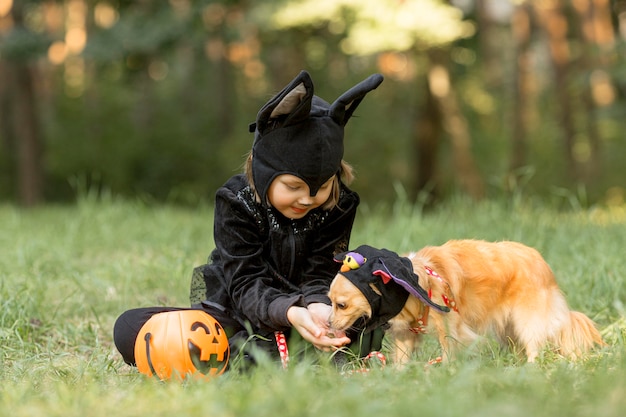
x: 182, y: 343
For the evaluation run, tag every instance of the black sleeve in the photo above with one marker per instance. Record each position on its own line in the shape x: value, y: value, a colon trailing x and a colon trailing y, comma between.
x: 246, y: 273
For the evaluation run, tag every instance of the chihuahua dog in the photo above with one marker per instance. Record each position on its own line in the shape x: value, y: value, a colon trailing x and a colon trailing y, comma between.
x: 463, y: 289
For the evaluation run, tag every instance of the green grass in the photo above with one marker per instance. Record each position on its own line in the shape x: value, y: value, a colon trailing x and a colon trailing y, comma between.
x: 68, y: 272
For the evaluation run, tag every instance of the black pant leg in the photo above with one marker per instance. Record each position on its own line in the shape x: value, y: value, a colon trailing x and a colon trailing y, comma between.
x: 127, y: 327
x: 129, y: 324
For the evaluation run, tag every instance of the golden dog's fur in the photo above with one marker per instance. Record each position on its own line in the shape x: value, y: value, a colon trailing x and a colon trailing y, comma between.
x: 506, y: 288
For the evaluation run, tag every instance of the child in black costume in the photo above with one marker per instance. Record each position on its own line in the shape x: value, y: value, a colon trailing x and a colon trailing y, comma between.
x: 277, y: 228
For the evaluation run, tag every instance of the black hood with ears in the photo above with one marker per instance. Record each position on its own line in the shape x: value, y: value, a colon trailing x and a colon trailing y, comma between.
x: 385, y: 279
x: 298, y: 133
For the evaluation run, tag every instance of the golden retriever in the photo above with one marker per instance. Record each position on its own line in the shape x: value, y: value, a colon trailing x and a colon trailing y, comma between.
x: 505, y: 288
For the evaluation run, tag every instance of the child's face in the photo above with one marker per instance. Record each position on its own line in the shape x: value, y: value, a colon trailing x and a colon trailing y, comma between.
x: 290, y: 195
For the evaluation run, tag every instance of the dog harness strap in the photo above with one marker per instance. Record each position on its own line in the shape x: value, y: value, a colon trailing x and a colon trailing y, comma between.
x: 422, y: 321
x: 281, y: 343
x: 377, y: 355
x: 431, y: 362
x: 448, y: 300
x: 366, y: 364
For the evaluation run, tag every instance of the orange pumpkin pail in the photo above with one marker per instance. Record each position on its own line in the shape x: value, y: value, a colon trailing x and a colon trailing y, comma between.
x: 182, y: 343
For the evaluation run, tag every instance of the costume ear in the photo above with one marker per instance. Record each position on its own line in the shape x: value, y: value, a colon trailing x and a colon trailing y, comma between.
x: 292, y: 105
x: 385, y: 276
x: 290, y: 102
x: 341, y: 110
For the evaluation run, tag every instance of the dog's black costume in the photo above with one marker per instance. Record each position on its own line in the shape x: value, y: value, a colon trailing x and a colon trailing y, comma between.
x: 391, y: 275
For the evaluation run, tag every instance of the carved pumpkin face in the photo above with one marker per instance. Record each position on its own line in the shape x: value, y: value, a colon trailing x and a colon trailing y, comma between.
x: 180, y: 343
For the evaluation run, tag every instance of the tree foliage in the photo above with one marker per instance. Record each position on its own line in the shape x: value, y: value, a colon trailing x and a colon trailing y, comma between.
x: 154, y: 97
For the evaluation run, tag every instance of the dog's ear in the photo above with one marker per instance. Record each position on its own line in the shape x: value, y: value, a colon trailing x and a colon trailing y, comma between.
x: 375, y: 289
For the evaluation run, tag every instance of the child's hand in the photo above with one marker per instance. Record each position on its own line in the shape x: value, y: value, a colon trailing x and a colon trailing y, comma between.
x: 304, y: 322
x: 321, y: 314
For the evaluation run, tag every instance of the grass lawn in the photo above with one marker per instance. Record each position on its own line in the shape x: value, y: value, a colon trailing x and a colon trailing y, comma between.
x: 68, y: 272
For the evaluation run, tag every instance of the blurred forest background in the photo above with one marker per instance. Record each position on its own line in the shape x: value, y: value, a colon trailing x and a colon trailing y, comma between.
x: 152, y: 98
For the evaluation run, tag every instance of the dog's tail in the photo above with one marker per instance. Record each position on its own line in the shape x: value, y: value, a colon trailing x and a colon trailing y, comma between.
x: 579, y: 336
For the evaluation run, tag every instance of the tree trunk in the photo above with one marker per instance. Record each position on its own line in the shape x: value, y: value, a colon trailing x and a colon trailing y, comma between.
x: 489, y: 46
x: 7, y: 135
x: 596, y: 32
x: 455, y: 125
x: 555, y: 25
x: 21, y: 84
x: 521, y: 29
x: 427, y: 131
x: 26, y: 125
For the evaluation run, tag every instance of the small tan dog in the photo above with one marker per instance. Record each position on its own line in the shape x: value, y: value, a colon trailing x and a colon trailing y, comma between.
x: 506, y: 288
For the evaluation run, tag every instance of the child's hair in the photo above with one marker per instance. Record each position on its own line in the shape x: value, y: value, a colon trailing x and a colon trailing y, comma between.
x: 346, y: 173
